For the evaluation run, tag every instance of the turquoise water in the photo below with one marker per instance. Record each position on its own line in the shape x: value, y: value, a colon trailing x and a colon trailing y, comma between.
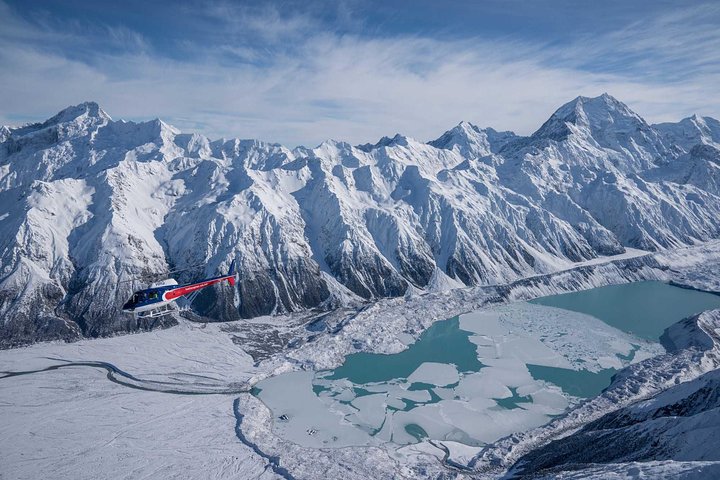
x: 644, y: 309
x: 443, y: 342
x: 579, y: 383
x: 416, y: 431
x: 514, y: 401
x: 434, y: 398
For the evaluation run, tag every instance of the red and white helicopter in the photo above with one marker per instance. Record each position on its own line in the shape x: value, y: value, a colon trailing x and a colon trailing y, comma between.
x: 155, y: 301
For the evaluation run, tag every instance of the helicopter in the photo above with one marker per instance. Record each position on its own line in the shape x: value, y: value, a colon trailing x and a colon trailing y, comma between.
x: 155, y: 300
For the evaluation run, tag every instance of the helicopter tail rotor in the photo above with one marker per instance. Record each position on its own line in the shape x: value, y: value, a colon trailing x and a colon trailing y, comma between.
x: 231, y: 273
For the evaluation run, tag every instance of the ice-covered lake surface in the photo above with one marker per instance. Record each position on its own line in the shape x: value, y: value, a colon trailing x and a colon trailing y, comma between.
x: 483, y: 375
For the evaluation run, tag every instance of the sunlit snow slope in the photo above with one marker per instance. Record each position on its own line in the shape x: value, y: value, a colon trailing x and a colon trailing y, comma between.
x: 88, y: 204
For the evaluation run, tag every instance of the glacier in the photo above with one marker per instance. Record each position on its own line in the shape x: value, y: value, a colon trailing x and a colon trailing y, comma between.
x: 179, y: 403
x: 92, y: 208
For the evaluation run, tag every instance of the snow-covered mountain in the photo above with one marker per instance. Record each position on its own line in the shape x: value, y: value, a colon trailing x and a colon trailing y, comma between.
x: 92, y: 208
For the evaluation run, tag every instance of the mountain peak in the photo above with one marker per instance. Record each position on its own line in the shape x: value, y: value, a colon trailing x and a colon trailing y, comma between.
x: 586, y: 109
x: 5, y: 132
x: 85, y: 109
x: 692, y: 131
x: 464, y: 125
x: 71, y: 121
x: 468, y: 138
x: 472, y: 140
x: 603, y: 115
x: 384, y: 142
x: 164, y: 127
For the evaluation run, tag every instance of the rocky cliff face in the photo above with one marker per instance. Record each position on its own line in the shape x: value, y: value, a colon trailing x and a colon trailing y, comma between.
x: 92, y: 209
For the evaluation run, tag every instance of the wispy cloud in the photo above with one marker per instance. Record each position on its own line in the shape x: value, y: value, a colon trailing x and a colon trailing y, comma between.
x: 263, y: 73
x: 672, y: 46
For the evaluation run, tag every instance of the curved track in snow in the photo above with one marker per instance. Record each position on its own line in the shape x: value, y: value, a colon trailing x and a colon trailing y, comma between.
x: 120, y: 377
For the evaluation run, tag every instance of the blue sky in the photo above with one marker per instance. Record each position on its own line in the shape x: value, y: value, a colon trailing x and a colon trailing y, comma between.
x: 299, y: 72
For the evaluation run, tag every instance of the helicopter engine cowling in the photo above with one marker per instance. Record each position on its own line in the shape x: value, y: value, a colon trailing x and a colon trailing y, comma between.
x: 164, y: 283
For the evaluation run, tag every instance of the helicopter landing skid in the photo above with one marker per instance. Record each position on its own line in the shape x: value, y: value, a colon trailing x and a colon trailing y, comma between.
x: 158, y: 312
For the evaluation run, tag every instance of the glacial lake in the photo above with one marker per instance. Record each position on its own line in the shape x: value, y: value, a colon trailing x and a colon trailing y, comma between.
x: 644, y: 309
x: 483, y: 375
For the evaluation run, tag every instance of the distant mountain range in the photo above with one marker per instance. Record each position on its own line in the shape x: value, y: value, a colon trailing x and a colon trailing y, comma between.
x: 92, y: 208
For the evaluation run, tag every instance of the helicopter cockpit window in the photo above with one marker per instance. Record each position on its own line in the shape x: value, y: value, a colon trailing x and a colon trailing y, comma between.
x: 153, y: 295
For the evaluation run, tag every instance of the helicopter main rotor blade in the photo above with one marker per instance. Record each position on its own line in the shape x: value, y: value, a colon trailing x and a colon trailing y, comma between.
x: 164, y: 274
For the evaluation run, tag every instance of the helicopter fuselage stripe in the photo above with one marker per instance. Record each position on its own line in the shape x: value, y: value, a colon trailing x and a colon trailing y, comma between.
x: 184, y: 290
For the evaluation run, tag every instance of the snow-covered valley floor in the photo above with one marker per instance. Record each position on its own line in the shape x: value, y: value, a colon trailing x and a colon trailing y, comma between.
x: 175, y: 403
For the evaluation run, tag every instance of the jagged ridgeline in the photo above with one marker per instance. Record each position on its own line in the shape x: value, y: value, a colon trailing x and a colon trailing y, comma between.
x: 88, y: 203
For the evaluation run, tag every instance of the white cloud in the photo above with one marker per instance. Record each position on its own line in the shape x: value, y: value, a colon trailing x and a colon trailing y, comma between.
x: 304, y: 84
